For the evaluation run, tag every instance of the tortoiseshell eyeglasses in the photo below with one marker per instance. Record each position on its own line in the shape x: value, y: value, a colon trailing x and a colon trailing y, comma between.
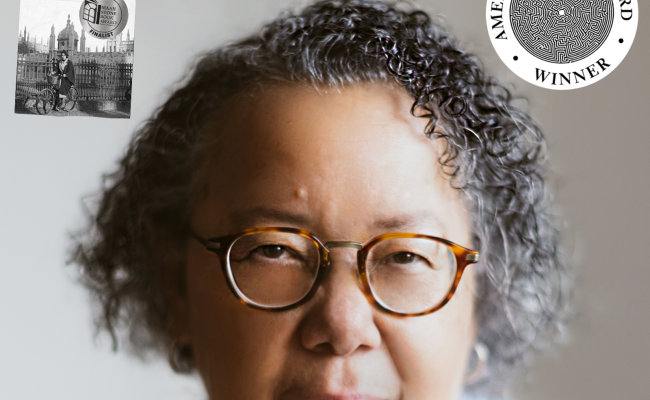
x: 278, y: 269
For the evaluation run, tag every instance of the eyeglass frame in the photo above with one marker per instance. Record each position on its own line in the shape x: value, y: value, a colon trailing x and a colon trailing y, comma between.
x: 222, y: 245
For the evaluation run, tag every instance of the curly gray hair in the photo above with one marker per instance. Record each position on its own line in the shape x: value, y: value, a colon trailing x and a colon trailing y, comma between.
x: 133, y: 251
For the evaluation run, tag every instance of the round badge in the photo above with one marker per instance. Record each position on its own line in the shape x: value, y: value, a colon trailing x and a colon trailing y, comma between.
x: 103, y: 19
x: 562, y: 44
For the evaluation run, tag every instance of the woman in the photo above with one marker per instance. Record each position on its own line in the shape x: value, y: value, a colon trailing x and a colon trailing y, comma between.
x: 65, y: 69
x: 341, y: 206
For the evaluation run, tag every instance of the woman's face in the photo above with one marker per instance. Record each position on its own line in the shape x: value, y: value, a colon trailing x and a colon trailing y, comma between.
x: 346, y: 164
x: 64, y: 56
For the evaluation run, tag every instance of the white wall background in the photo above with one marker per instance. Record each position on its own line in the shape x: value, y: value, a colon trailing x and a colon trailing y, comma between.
x: 598, y: 137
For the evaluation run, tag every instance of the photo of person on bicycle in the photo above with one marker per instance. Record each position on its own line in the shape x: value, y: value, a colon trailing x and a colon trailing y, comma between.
x: 64, y: 67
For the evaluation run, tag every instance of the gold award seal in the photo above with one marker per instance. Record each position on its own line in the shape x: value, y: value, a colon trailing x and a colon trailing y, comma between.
x: 103, y: 19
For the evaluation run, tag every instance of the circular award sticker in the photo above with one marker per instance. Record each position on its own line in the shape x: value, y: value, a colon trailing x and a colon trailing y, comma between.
x: 103, y: 19
x: 562, y: 44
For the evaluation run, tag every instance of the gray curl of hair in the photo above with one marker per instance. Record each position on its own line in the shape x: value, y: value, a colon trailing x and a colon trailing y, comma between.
x: 132, y: 253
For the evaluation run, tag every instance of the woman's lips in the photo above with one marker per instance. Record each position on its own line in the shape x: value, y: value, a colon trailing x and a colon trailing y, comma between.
x: 329, y: 396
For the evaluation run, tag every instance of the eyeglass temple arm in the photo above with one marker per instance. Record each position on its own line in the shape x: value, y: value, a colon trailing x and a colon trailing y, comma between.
x: 208, y: 245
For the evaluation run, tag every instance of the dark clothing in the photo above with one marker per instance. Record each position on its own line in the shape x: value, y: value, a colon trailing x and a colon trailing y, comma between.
x: 68, y: 80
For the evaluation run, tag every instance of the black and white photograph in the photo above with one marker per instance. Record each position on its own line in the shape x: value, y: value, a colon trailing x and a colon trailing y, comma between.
x: 67, y: 65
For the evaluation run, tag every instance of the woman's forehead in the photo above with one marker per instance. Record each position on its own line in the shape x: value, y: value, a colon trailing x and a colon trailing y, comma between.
x: 361, y: 103
x: 353, y: 154
x: 352, y: 124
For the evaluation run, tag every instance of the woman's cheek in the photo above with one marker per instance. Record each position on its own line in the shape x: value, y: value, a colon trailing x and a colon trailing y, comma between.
x: 431, y: 352
x: 233, y: 343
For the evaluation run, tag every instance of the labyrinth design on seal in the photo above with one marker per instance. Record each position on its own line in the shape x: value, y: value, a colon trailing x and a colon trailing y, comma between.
x: 561, y: 31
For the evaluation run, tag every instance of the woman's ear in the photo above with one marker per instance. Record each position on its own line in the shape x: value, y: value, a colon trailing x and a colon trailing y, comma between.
x: 178, y: 320
x: 173, y: 262
x: 180, y: 351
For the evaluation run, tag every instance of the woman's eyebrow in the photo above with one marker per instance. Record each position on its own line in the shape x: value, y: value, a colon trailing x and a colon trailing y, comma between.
x: 416, y: 220
x: 403, y: 222
x: 265, y: 213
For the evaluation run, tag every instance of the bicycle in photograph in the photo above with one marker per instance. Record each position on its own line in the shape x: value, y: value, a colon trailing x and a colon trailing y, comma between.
x: 47, y: 97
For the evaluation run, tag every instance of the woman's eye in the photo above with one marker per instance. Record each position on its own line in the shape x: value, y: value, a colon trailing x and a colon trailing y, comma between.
x: 404, y: 258
x: 273, y: 251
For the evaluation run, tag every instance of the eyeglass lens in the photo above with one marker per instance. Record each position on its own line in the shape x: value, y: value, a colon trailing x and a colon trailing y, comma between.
x: 274, y: 269
x: 406, y: 275
x: 410, y: 275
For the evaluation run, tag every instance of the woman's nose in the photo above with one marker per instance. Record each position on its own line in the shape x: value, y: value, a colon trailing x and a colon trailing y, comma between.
x: 340, y: 320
